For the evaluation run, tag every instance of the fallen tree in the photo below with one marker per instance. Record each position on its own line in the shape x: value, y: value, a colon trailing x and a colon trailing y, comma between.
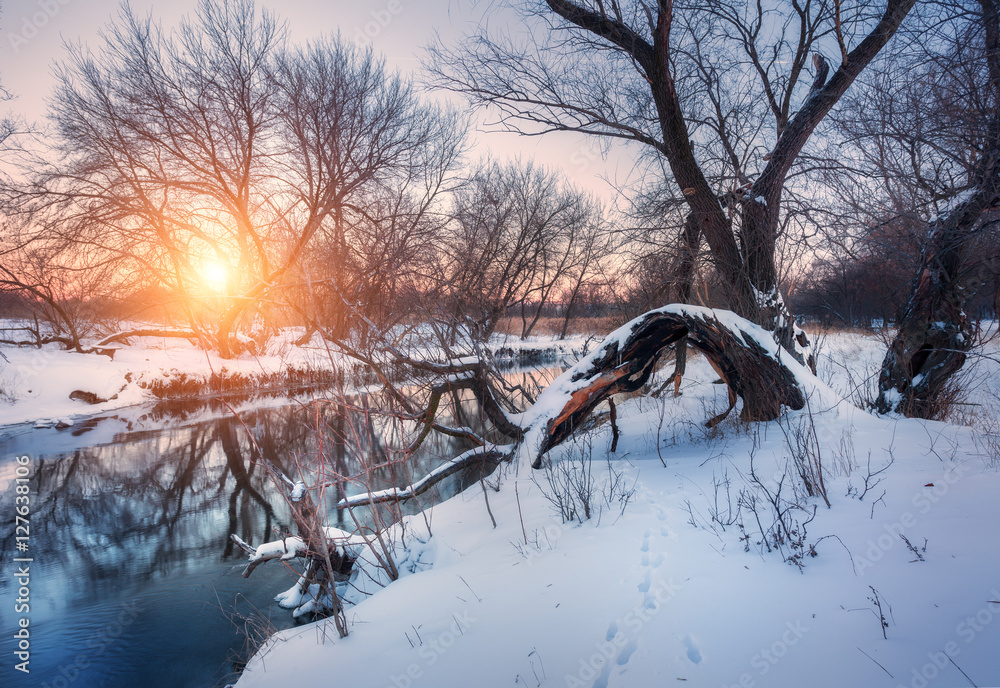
x: 755, y: 368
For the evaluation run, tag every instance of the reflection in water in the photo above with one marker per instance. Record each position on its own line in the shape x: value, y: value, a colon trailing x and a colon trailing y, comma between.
x: 134, y: 576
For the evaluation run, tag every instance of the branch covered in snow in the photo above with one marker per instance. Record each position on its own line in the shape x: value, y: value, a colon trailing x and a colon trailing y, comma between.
x: 472, y: 457
x: 344, y: 543
x: 121, y: 337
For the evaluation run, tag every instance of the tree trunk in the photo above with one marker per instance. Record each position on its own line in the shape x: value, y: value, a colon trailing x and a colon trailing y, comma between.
x: 686, y: 269
x: 934, y: 332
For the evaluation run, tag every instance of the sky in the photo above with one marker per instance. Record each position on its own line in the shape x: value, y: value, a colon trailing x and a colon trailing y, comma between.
x: 33, y: 34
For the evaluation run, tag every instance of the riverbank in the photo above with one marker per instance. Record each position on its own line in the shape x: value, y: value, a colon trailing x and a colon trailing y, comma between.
x: 52, y: 387
x: 712, y: 564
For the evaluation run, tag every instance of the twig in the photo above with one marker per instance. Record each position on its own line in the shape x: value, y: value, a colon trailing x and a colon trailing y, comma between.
x: 470, y: 588
x: 482, y: 483
x: 520, y: 515
x: 615, y: 433
x: 960, y: 669
x: 876, y: 662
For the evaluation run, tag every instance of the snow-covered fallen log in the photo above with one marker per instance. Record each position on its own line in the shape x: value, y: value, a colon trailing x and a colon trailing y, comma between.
x: 124, y: 336
x: 746, y: 357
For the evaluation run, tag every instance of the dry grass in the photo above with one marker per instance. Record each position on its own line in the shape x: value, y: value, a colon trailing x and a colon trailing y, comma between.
x: 814, y: 329
x: 552, y: 327
x: 184, y: 385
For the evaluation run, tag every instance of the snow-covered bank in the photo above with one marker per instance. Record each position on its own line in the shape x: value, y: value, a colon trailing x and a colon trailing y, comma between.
x: 682, y: 587
x: 36, y: 384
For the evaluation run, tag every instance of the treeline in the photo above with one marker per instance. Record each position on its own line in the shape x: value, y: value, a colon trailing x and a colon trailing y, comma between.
x: 222, y: 179
x: 840, y: 158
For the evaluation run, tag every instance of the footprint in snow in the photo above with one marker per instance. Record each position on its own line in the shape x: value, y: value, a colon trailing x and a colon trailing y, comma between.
x: 626, y: 654
x: 647, y: 580
x: 612, y: 631
x: 693, y: 653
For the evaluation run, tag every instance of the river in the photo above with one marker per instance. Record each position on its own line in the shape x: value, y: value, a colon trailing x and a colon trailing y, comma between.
x: 133, y: 580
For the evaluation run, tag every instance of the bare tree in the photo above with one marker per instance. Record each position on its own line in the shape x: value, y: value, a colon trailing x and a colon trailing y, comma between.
x: 217, y: 147
x: 934, y: 332
x: 917, y: 183
x: 9, y: 126
x: 593, y: 246
x: 663, y: 75
x: 516, y: 237
x: 366, y: 164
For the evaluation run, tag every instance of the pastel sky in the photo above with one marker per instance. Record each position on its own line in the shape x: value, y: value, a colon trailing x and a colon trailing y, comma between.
x: 33, y: 34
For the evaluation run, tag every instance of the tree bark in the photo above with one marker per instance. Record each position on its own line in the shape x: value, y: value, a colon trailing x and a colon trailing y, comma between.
x: 686, y: 270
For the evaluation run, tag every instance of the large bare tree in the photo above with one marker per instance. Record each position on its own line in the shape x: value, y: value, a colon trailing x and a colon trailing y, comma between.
x: 519, y: 234
x: 218, y: 144
x: 915, y: 174
x: 935, y: 332
x: 684, y: 80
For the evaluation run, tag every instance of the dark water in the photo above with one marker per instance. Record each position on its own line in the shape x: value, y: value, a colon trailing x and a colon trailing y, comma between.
x: 133, y: 579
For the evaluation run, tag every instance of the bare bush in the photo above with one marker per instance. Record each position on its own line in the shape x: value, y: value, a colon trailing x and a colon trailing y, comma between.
x: 806, y: 453
x: 575, y: 492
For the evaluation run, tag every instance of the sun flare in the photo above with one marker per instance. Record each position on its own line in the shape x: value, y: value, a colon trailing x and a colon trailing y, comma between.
x: 215, y: 276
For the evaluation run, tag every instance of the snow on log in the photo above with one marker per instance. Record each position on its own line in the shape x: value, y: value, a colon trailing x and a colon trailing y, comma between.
x: 471, y: 457
x: 346, y: 544
x: 745, y: 355
x: 129, y: 334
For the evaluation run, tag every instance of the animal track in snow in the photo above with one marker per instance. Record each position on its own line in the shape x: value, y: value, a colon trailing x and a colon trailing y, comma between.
x: 693, y: 653
x: 650, y: 560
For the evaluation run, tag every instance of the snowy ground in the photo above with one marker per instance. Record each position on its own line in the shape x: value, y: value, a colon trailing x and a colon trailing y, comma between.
x: 682, y: 587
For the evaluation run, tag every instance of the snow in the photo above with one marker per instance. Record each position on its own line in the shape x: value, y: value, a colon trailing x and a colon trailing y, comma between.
x: 949, y: 206
x: 286, y: 548
x: 673, y: 590
x: 665, y: 594
x: 289, y: 547
x: 36, y: 383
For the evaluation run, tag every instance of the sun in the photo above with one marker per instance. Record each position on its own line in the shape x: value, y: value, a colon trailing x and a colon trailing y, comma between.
x: 215, y: 276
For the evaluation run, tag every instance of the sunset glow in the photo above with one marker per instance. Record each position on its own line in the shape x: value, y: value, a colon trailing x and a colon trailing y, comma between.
x: 215, y: 276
